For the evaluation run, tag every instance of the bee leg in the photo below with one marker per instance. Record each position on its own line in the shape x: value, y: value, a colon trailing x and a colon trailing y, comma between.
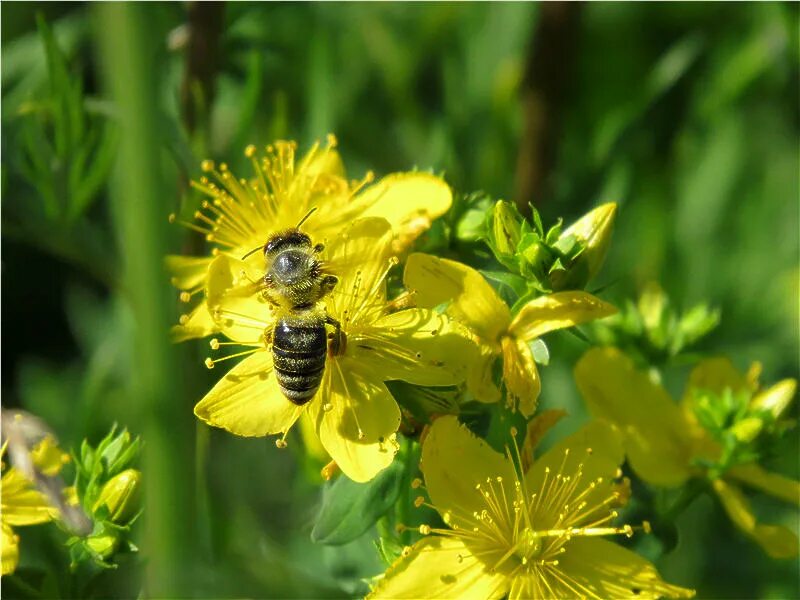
x: 268, y: 336
x: 328, y: 283
x: 339, y: 341
x: 319, y: 248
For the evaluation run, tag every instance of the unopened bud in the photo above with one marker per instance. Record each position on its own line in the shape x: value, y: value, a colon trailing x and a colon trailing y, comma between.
x: 505, y: 228
x: 593, y: 231
x: 103, y: 545
x: 747, y: 429
x: 776, y: 399
x: 120, y: 495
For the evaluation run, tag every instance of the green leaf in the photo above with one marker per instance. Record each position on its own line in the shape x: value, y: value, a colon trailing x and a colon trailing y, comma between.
x: 350, y: 509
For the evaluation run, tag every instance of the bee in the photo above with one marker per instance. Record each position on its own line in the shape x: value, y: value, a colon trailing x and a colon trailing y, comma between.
x: 295, y: 282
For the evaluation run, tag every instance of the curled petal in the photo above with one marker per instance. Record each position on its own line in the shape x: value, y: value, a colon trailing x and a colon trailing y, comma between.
x: 441, y: 568
x: 187, y: 271
x: 776, y: 540
x: 520, y: 374
x: 356, y: 419
x: 408, y: 201
x: 247, y: 400
x: 474, y: 302
x: 598, y: 568
x: 415, y: 345
x: 197, y: 324
x: 657, y: 435
x: 235, y: 302
x: 557, y: 311
x: 775, y: 399
x: 454, y: 461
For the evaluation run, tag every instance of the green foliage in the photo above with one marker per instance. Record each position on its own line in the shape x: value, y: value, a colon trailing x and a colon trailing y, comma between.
x: 653, y: 332
x: 109, y: 492
x: 350, y: 509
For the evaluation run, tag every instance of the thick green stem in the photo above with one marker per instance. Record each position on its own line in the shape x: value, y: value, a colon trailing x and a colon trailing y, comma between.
x: 129, y: 50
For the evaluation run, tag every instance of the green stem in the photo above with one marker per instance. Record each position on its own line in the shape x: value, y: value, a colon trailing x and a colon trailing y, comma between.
x: 129, y: 49
x: 688, y: 494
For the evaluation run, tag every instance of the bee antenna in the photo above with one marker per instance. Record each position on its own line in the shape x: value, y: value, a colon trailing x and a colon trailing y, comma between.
x: 305, y: 218
x: 253, y: 251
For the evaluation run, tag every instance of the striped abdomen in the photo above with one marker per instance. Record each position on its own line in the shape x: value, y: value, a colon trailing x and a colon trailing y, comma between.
x: 298, y: 353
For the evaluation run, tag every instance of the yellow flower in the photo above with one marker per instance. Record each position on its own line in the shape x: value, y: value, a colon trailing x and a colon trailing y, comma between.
x: 534, y: 536
x: 473, y: 302
x: 22, y: 503
x: 353, y: 413
x: 663, y: 440
x: 240, y: 215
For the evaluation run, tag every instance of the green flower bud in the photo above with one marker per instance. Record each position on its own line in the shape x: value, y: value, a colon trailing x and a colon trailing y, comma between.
x: 506, y: 228
x: 776, y: 399
x: 747, y: 429
x: 121, y: 495
x: 103, y: 544
x: 587, y: 240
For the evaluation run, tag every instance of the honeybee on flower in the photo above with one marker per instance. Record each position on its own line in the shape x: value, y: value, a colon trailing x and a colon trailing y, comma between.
x: 353, y: 414
x: 241, y: 214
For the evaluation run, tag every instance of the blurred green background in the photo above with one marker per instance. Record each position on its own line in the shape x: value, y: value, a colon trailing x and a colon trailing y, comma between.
x: 684, y: 114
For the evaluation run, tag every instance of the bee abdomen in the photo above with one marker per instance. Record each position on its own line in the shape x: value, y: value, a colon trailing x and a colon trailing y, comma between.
x: 298, y: 353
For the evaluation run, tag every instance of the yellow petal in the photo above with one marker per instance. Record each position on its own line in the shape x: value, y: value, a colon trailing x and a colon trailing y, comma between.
x: 235, y: 302
x: 439, y: 568
x: 359, y: 256
x: 415, y: 345
x: 22, y: 503
x: 10, y: 549
x: 187, y: 271
x: 520, y: 374
x: 409, y: 201
x: 454, y: 461
x: 435, y: 281
x: 595, y: 450
x: 480, y: 381
x: 777, y: 541
x: 197, y: 324
x: 776, y: 399
x: 356, y: 419
x: 557, y: 311
x: 247, y: 400
x: 771, y: 483
x: 599, y: 568
x: 537, y: 429
x: 310, y: 439
x: 656, y: 432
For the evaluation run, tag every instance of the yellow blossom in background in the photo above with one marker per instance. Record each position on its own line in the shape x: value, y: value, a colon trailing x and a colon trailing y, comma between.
x: 353, y: 414
x: 240, y: 214
x: 538, y: 535
x: 473, y: 302
x: 665, y: 443
x: 22, y: 503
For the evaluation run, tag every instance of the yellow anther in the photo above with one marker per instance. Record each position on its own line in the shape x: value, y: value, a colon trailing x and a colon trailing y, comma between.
x: 424, y: 529
x: 281, y: 443
x: 207, y: 166
x: 209, y: 363
x: 185, y: 297
x: 171, y: 218
x: 416, y: 483
x: 419, y: 501
x: 214, y: 343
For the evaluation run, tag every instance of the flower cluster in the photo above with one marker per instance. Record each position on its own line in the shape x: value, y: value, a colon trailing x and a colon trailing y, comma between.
x: 301, y: 284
